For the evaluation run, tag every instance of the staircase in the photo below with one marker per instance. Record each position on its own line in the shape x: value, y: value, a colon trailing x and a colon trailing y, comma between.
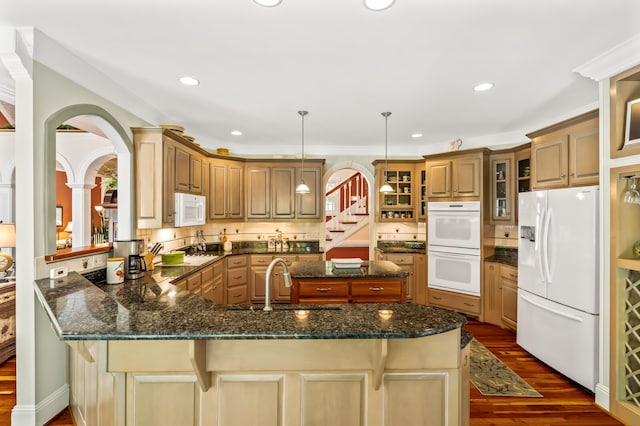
x: 350, y: 212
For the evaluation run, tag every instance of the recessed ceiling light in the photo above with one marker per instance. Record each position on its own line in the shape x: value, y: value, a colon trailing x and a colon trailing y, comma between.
x: 416, y: 135
x: 189, y: 81
x: 483, y: 86
x: 268, y: 3
x: 378, y: 4
x: 236, y: 133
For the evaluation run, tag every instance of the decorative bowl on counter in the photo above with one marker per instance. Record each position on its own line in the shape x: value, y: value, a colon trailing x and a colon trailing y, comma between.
x: 172, y: 257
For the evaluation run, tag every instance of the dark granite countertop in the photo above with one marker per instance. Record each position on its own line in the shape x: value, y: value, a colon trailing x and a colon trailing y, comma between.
x: 326, y: 269
x: 394, y: 246
x: 146, y: 310
x: 507, y: 256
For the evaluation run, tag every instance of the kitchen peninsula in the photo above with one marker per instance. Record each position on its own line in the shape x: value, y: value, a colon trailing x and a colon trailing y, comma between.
x: 139, y: 343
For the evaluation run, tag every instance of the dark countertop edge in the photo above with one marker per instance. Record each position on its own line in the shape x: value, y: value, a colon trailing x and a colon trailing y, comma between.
x: 265, y: 336
x: 504, y: 260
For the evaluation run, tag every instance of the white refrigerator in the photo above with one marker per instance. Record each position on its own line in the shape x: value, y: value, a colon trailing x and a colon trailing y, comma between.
x: 558, y: 280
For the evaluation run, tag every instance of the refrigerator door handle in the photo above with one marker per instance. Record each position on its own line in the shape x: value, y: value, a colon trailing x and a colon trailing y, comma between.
x: 553, y: 311
x: 538, y: 244
x: 545, y: 245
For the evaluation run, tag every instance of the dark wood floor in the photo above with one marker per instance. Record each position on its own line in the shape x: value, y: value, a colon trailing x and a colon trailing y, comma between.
x: 563, y: 402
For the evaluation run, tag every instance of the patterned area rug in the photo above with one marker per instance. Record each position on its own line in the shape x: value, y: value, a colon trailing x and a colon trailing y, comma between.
x: 491, y: 377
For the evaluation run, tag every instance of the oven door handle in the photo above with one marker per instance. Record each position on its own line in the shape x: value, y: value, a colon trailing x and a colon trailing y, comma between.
x: 451, y: 255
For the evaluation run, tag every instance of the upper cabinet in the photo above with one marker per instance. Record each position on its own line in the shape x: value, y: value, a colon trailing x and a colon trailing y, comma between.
x: 271, y: 190
x: 455, y: 175
x: 225, y: 189
x: 188, y: 171
x: 566, y: 154
x: 509, y: 175
x: 399, y: 205
x: 164, y: 163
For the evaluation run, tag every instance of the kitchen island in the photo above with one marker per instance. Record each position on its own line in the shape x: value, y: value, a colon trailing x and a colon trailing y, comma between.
x: 150, y: 353
x: 328, y: 281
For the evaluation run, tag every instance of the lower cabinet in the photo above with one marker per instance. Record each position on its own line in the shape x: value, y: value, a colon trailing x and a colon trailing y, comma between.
x: 416, y: 264
x: 500, y: 295
x: 213, y: 282
x: 279, y: 291
x: 280, y: 382
x: 237, y: 279
x: 459, y: 302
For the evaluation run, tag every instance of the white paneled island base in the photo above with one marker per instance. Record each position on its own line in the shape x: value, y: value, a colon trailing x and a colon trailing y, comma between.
x: 413, y: 381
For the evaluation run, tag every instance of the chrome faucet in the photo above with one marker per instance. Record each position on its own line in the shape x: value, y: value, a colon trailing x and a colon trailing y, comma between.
x: 267, y: 281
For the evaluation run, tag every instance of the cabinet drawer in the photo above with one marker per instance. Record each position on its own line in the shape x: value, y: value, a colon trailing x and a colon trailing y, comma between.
x: 456, y: 301
x: 207, y: 274
x: 509, y: 272
x: 236, y: 261
x: 373, y: 289
x: 236, y: 277
x: 308, y: 257
x: 400, y: 259
x: 194, y: 282
x: 324, y: 289
x: 261, y: 260
x: 237, y: 295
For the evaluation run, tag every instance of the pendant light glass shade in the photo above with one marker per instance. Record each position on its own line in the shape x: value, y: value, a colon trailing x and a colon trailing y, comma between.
x: 385, y: 188
x: 302, y: 188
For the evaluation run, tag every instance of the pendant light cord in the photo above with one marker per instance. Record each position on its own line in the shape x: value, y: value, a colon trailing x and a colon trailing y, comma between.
x: 302, y: 114
x: 386, y: 134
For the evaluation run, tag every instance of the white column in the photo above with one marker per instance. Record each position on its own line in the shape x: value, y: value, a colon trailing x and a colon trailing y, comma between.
x: 6, y: 203
x: 81, y: 207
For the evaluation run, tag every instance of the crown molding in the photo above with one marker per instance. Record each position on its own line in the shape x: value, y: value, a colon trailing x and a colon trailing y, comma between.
x: 620, y: 58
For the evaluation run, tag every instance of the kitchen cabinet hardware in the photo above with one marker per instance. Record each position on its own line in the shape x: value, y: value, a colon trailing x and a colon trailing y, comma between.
x: 323, y: 288
x: 376, y: 288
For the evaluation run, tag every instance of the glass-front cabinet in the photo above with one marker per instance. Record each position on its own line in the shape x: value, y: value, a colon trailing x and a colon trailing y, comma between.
x: 502, y: 210
x: 397, y: 205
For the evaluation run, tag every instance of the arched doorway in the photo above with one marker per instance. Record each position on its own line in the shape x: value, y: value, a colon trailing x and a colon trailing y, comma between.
x: 98, y: 121
x: 348, y: 231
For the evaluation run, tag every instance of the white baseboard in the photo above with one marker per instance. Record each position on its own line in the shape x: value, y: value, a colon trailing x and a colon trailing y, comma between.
x: 23, y: 415
x: 602, y: 396
x: 53, y: 404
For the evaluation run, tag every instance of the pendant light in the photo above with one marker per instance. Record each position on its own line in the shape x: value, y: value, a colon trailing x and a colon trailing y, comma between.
x: 302, y: 188
x: 385, y: 188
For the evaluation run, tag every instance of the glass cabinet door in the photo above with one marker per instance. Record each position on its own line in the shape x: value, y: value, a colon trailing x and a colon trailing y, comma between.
x: 501, y: 188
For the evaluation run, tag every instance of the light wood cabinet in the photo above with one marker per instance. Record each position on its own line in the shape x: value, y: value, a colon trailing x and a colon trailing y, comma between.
x: 500, y: 295
x: 509, y: 296
x: 164, y: 163
x: 400, y: 204
x: 225, y: 190
x: 457, y: 301
x: 237, y: 279
x: 455, y: 175
x: 406, y: 263
x: 212, y: 278
x: 502, y: 188
x: 566, y: 154
x: 280, y: 293
x: 271, y: 190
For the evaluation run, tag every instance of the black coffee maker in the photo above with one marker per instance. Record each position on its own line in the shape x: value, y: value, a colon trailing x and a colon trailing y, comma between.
x: 133, y: 253
x: 135, y: 267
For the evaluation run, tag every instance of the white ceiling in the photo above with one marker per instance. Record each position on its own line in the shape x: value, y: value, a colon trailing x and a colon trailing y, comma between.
x: 344, y: 64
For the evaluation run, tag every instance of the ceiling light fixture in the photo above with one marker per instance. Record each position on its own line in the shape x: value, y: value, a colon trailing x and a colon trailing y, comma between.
x: 302, y: 188
x: 416, y: 135
x: 385, y: 188
x: 189, y: 81
x: 236, y: 133
x: 268, y: 3
x: 377, y: 5
x: 483, y: 87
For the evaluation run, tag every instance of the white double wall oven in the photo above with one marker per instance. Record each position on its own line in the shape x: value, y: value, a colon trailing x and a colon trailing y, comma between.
x: 453, y: 237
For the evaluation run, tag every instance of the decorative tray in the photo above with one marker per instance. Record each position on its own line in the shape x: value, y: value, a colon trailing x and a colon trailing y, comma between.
x: 347, y: 263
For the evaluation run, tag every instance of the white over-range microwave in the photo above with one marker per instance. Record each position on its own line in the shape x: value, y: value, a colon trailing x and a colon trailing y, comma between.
x: 190, y: 209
